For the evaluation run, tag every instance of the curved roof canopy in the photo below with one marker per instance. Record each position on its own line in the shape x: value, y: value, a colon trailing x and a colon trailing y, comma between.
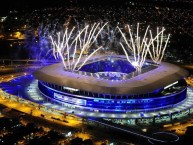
x: 159, y: 77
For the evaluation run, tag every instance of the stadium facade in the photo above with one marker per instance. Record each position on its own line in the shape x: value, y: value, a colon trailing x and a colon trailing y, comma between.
x: 110, y: 84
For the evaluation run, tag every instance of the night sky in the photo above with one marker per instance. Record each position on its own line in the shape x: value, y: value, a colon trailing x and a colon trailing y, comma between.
x: 7, y: 5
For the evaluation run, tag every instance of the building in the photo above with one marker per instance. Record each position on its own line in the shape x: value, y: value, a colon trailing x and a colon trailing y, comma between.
x: 110, y: 84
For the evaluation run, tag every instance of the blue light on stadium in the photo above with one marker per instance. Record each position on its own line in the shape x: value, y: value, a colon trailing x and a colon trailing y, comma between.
x: 89, y: 93
x: 109, y: 86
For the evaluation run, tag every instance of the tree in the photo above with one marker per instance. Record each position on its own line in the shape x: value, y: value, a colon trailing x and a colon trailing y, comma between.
x: 76, y: 141
x: 87, y: 142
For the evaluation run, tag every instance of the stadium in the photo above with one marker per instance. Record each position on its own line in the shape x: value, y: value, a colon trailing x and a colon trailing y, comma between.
x: 90, y: 80
x: 110, y: 84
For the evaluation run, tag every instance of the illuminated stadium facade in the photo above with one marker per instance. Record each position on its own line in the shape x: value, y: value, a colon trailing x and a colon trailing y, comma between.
x: 111, y: 84
x: 100, y: 85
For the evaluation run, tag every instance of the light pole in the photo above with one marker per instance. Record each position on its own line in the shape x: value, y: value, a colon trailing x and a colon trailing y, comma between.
x: 18, y: 92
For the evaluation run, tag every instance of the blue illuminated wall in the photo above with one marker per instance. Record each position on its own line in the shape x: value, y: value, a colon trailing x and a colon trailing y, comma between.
x: 111, y: 105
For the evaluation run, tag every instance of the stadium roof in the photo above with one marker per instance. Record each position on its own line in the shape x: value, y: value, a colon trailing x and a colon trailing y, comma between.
x: 159, y: 77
